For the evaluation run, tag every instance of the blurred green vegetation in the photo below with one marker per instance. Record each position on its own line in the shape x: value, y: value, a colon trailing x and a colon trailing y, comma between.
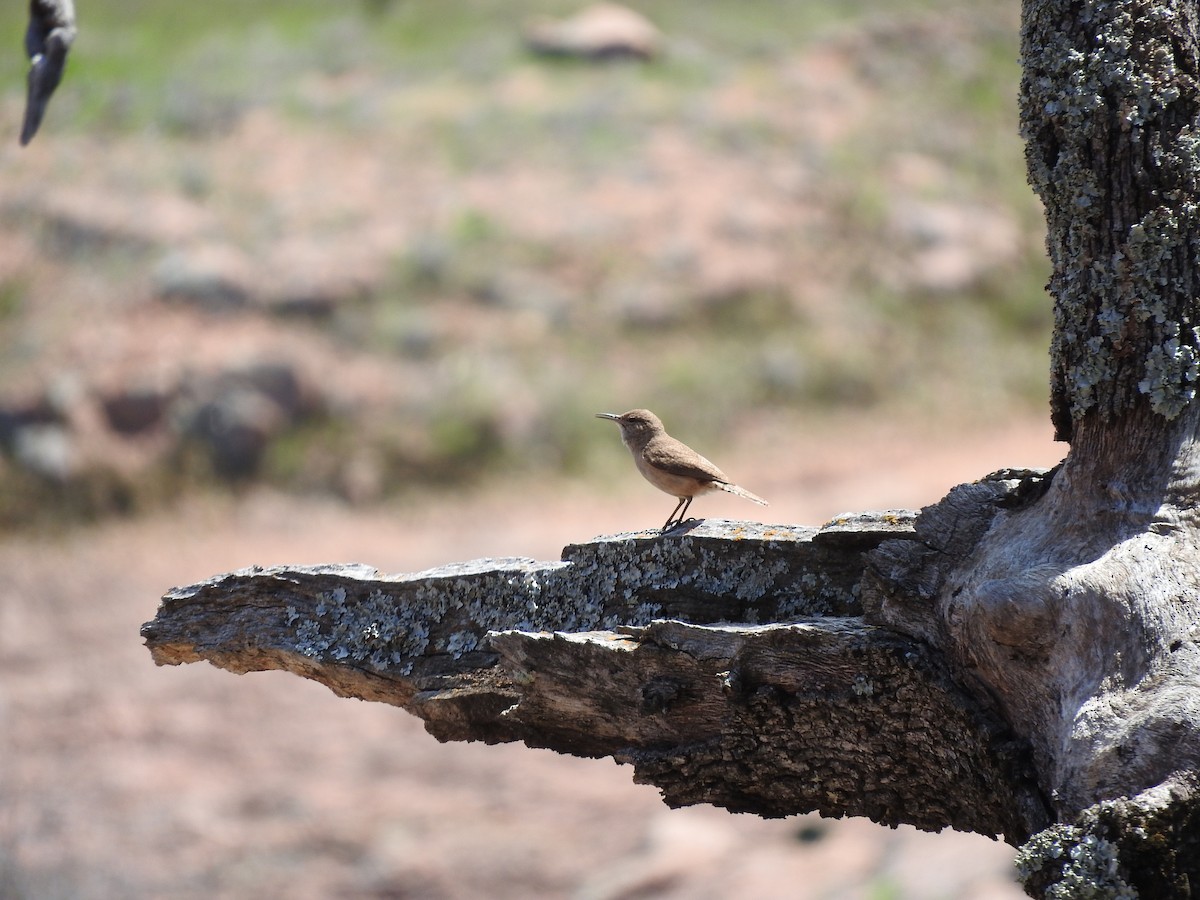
x: 564, y: 325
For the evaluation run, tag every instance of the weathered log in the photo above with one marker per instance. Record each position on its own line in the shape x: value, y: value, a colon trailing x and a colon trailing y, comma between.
x: 729, y: 664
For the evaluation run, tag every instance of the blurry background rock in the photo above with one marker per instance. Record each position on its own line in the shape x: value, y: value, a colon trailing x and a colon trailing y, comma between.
x: 601, y: 31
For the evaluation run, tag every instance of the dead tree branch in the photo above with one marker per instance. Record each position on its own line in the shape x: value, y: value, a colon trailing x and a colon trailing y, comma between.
x: 730, y: 664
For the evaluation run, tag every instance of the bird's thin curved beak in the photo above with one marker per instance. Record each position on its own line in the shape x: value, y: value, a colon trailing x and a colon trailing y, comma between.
x: 612, y: 416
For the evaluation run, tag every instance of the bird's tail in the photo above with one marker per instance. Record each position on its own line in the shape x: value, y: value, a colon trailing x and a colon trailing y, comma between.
x: 740, y: 491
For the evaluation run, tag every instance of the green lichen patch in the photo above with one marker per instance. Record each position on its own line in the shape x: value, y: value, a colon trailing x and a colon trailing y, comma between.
x: 1146, y: 846
x: 1068, y: 862
x: 1110, y: 113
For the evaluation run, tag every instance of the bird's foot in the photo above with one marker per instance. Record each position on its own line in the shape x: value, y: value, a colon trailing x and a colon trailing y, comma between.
x: 675, y: 524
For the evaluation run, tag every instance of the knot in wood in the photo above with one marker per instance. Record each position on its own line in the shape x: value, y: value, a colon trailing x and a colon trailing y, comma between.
x: 659, y: 693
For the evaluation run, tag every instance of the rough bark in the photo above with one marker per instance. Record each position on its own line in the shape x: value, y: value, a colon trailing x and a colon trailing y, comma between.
x: 1110, y: 107
x: 1079, y: 612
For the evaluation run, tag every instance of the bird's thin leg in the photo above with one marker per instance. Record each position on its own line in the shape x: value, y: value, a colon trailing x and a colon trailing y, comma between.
x: 682, y: 504
x: 685, y: 508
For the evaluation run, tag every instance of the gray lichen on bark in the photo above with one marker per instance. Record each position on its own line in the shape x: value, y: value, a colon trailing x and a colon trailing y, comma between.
x: 397, y: 622
x: 1110, y: 110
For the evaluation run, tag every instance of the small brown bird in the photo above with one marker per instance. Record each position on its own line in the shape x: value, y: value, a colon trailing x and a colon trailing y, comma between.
x: 670, y: 465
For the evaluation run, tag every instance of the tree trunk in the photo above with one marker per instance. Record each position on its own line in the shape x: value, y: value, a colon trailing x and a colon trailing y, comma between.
x: 1030, y: 642
x: 1080, y: 612
x: 1109, y: 110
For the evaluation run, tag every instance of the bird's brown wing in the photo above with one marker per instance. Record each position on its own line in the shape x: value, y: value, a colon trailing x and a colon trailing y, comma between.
x: 678, y: 458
